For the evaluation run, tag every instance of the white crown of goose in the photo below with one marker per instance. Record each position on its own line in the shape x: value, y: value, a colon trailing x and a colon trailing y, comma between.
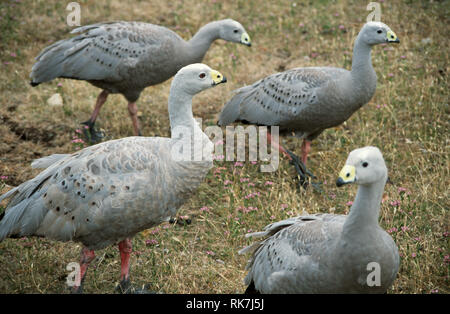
x: 377, y: 24
x: 365, y: 152
x: 195, y: 67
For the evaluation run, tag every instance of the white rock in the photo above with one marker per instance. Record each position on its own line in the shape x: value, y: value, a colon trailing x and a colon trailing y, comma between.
x: 55, y: 100
x: 427, y: 41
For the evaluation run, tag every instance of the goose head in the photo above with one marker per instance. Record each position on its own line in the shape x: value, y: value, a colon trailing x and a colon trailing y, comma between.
x: 374, y: 33
x: 233, y: 31
x: 364, y: 166
x: 194, y: 78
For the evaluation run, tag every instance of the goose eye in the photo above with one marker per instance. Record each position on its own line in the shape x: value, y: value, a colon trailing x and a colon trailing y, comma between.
x: 236, y: 31
x: 202, y: 75
x: 379, y: 31
x: 365, y: 164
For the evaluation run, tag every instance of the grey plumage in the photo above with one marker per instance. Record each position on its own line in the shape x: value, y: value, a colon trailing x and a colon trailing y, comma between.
x: 125, y: 57
x: 103, y: 193
x: 47, y: 161
x: 327, y: 253
x: 309, y: 100
x: 110, y: 191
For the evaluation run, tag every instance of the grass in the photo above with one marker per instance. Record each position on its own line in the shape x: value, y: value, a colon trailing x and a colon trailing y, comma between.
x: 408, y: 118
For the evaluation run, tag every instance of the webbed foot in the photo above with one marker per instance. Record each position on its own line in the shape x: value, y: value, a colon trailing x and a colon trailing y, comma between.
x: 93, y: 136
x: 304, y: 175
x: 125, y: 287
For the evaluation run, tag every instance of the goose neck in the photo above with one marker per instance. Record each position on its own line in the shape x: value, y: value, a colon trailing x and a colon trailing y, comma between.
x: 365, y: 210
x: 180, y: 110
x: 362, y: 59
x: 199, y: 44
x: 363, y: 76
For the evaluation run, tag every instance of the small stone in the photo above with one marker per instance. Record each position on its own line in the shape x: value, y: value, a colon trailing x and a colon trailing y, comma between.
x: 55, y: 100
x: 427, y: 41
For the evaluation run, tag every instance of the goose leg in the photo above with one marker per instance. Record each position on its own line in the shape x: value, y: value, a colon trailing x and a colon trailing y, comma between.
x: 91, y: 133
x: 306, y: 148
x: 303, y: 173
x: 125, y: 248
x: 133, y: 110
x: 180, y: 221
x: 305, y: 176
x: 87, y: 256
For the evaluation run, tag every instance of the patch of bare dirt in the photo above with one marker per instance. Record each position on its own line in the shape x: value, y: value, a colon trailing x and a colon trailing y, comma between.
x: 26, y: 132
x: 22, y: 141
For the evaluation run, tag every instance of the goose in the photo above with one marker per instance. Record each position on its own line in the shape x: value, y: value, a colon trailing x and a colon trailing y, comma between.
x: 306, y: 101
x: 126, y: 57
x: 328, y: 253
x: 106, y: 193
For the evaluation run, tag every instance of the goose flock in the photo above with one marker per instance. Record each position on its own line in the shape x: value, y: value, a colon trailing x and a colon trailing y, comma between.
x: 106, y: 193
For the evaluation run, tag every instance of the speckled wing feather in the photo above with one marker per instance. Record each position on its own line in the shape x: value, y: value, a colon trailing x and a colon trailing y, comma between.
x: 132, y: 54
x: 282, y: 98
x: 288, y: 246
x: 103, y: 193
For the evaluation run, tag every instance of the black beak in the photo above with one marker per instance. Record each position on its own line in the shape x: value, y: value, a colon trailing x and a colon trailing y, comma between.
x: 397, y: 41
x: 340, y: 182
x: 224, y: 80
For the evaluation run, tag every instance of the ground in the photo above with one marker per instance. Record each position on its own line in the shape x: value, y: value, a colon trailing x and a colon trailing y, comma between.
x: 408, y: 119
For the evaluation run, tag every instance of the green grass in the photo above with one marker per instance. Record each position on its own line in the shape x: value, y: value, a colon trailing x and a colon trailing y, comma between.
x: 408, y: 119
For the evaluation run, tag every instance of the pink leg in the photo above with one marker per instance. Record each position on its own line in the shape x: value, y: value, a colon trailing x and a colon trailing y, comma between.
x: 278, y: 146
x: 306, y: 148
x: 87, y: 256
x: 100, y: 101
x: 133, y: 110
x: 300, y: 166
x: 125, y: 248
